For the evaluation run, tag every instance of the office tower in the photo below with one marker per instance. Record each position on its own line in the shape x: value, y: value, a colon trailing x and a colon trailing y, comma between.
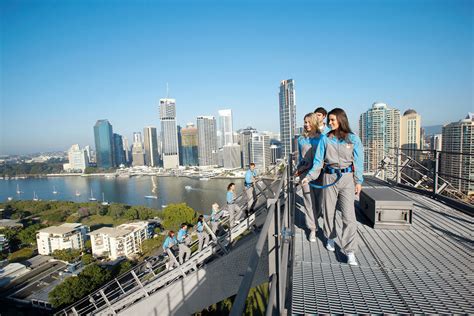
x: 126, y: 149
x: 118, y: 150
x: 458, y: 168
x: 225, y: 130
x: 78, y: 159
x: 169, y: 133
x: 207, y: 140
x: 245, y: 141
x: 180, y: 145
x: 231, y: 154
x: 138, y: 152
x: 104, y: 146
x: 287, y: 102
x: 380, y: 134
x: 88, y: 152
x: 260, y: 153
x: 410, y: 133
x: 275, y: 153
x: 189, y: 145
x: 151, y: 146
x: 436, y: 142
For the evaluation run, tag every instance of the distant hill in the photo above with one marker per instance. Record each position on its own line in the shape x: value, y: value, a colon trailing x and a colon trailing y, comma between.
x: 434, y: 129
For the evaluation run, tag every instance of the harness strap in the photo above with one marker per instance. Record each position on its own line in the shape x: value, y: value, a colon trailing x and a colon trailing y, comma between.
x: 331, y: 170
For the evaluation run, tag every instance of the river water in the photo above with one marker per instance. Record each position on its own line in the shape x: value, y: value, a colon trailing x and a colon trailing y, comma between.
x: 196, y: 193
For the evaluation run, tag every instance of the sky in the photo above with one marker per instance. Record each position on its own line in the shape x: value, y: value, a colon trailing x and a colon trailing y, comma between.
x: 66, y: 64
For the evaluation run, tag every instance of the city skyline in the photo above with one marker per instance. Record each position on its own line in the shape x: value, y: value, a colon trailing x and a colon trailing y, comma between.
x: 64, y: 66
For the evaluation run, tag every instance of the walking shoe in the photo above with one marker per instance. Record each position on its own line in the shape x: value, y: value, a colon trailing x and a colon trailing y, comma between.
x: 330, y: 245
x: 351, y: 259
x: 312, y: 236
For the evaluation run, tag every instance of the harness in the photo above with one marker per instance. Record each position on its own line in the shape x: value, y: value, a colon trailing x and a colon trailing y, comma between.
x: 331, y: 170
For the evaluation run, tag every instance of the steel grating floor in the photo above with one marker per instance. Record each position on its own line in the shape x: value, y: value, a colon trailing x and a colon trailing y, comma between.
x: 427, y: 269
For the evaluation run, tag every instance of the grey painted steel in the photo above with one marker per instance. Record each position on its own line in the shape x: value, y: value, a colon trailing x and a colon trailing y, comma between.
x: 212, y: 283
x: 424, y: 270
x: 386, y: 208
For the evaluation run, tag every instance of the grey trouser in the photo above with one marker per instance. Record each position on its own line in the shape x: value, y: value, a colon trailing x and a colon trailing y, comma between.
x: 250, y: 192
x: 341, y: 194
x: 214, y: 226
x: 234, y: 213
x: 312, y: 205
x: 183, y: 249
x: 203, y: 238
x: 172, y: 258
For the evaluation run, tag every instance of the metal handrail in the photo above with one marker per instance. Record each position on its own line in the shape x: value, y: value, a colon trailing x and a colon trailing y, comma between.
x: 126, y: 282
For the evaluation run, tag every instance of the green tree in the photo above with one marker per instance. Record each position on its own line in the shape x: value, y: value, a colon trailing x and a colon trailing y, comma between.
x: 21, y: 255
x: 149, y: 246
x: 175, y: 214
x: 87, y: 259
x: 28, y: 235
x: 69, y: 255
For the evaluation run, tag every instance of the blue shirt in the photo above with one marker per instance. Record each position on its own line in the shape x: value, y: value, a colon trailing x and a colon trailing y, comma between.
x: 320, y: 156
x: 249, y: 176
x: 182, y: 234
x: 230, y: 197
x: 169, y: 242
x: 200, y: 227
x: 302, y: 141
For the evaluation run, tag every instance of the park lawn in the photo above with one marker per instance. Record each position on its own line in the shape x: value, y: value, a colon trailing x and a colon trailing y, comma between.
x: 97, y: 221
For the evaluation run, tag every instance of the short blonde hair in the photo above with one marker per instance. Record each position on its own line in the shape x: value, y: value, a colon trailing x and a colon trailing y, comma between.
x: 215, y: 205
x: 313, y: 119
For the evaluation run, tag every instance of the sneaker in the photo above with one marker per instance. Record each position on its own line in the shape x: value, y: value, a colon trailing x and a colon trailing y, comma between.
x: 351, y: 259
x: 312, y: 236
x: 330, y: 245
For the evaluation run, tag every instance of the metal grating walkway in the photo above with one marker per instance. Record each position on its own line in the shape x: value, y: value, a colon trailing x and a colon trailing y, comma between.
x: 427, y: 269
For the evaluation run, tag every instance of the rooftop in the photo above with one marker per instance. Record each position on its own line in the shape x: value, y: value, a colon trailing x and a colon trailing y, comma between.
x: 426, y: 269
x: 61, y: 229
x: 120, y: 230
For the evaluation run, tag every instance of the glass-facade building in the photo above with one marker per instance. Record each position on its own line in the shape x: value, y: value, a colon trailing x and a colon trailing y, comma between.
x: 119, y: 152
x: 287, y: 101
x: 189, y: 145
x: 104, y: 144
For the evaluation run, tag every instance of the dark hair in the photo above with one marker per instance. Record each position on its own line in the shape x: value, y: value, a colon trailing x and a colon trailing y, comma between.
x: 230, y: 185
x: 321, y: 110
x: 200, y: 218
x: 171, y: 232
x: 183, y: 224
x: 252, y: 164
x: 344, y: 129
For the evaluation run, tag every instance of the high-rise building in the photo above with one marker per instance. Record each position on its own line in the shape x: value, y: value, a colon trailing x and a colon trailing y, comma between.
x: 104, y: 144
x: 126, y: 149
x: 78, y: 159
x: 456, y: 160
x: 225, y: 129
x: 287, y: 100
x: 118, y: 150
x: 379, y: 130
x: 275, y: 153
x: 410, y: 133
x: 65, y: 236
x: 231, y: 155
x: 189, y: 145
x: 138, y: 152
x: 260, y: 153
x: 151, y: 146
x: 169, y: 133
x: 245, y: 142
x: 207, y: 140
x: 88, y: 152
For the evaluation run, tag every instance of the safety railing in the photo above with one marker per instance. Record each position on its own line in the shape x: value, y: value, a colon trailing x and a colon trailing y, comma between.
x: 276, y: 238
x: 152, y: 275
x: 443, y: 175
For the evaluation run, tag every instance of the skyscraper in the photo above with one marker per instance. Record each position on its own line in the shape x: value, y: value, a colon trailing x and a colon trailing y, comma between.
x: 410, y: 133
x: 458, y: 168
x: 245, y: 142
x: 380, y: 134
x: 151, y: 146
x: 260, y: 153
x: 138, y: 153
x: 207, y: 140
x: 225, y: 128
x: 104, y: 146
x: 287, y: 100
x: 126, y: 149
x: 231, y: 154
x: 189, y: 145
x: 78, y: 159
x: 118, y: 150
x: 169, y: 133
